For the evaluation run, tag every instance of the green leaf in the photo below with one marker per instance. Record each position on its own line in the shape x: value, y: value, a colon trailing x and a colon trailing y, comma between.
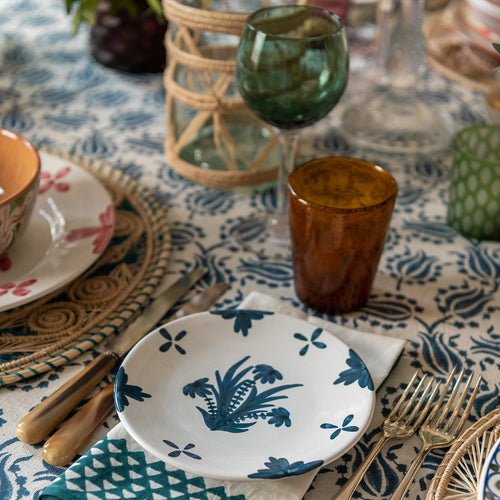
x: 156, y: 7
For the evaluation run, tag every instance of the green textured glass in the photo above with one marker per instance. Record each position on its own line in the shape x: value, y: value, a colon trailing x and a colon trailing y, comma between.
x: 474, y: 194
x: 292, y: 67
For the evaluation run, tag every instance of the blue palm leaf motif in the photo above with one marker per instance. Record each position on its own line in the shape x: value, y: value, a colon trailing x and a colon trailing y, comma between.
x: 281, y: 467
x: 211, y: 202
x: 123, y: 391
x: 316, y: 343
x: 264, y: 271
x: 440, y: 351
x: 235, y: 404
x: 171, y: 341
x: 491, y: 347
x: 391, y: 310
x: 356, y: 373
x: 408, y: 195
x: 416, y: 268
x: 242, y: 318
x: 484, y: 262
x: 465, y: 302
x: 430, y: 168
x: 345, y: 427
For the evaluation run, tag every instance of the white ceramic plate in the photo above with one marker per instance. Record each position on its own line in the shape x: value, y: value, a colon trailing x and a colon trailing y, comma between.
x: 71, y: 226
x: 244, y: 394
x: 489, y: 485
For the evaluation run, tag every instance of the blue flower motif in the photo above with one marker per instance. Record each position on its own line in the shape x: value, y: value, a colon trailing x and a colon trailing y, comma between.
x: 313, y: 341
x: 357, y: 373
x: 242, y: 318
x: 266, y: 374
x: 171, y: 342
x: 345, y: 427
x: 123, y: 391
x: 279, y: 416
x: 177, y: 451
x: 197, y: 388
x: 281, y: 467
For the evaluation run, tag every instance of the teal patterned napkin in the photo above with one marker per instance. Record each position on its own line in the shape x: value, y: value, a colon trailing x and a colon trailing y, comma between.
x: 118, y: 468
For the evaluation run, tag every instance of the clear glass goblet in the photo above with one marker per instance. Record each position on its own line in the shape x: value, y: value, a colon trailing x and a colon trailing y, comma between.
x: 292, y: 67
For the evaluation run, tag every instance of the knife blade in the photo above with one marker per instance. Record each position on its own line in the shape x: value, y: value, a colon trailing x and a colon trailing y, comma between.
x: 44, y: 418
x: 64, y: 444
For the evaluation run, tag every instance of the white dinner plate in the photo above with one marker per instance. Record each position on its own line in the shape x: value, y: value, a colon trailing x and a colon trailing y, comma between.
x: 244, y: 394
x: 71, y: 226
x: 489, y: 485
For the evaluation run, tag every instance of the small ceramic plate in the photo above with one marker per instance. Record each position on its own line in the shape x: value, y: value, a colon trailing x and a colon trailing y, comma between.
x: 71, y: 226
x: 244, y: 394
x: 489, y: 483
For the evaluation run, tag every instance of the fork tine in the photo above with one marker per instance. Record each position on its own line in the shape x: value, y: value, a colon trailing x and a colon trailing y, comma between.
x: 427, y: 407
x: 468, y: 408
x: 460, y: 402
x: 409, y: 404
x: 403, y: 396
x: 444, y: 412
x: 422, y: 399
x: 439, y: 402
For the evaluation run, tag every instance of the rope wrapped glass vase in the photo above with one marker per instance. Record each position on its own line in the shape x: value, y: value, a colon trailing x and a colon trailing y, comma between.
x: 212, y: 137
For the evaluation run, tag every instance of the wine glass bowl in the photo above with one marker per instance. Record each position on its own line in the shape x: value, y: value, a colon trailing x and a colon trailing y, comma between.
x: 292, y: 67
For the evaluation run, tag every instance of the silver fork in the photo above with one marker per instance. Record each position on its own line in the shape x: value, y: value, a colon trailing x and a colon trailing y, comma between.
x: 439, y: 429
x: 398, y: 424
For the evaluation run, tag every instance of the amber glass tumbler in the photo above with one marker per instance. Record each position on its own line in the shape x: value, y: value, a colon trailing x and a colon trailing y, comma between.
x: 340, y: 212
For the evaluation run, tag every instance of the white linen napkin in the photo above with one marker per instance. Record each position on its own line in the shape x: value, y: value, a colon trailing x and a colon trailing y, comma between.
x: 379, y: 354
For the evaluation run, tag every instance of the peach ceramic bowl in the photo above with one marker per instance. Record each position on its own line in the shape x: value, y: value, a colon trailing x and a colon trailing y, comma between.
x: 19, y: 178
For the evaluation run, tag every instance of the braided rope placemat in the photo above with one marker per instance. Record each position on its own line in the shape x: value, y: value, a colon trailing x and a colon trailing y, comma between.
x: 58, y: 327
x: 458, y: 474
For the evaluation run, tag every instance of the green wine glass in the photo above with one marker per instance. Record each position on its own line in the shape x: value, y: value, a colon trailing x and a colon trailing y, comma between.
x: 292, y: 67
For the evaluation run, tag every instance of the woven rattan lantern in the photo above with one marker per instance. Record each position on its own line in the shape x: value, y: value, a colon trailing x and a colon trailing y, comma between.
x: 212, y: 137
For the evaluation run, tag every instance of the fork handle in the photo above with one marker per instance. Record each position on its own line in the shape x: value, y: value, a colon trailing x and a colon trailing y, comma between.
x: 401, y: 490
x: 345, y: 493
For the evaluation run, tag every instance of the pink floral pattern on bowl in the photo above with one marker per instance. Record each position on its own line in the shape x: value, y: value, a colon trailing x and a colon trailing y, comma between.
x: 15, y: 217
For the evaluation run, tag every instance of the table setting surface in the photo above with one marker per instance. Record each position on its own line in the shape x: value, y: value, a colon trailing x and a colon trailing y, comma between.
x: 434, y: 303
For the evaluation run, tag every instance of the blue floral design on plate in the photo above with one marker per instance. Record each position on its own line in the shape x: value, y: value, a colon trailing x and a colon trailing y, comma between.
x: 278, y: 468
x: 313, y: 341
x: 235, y: 404
x: 178, y: 451
x: 123, y: 391
x: 242, y: 318
x: 345, y: 427
x: 172, y: 341
x: 356, y: 373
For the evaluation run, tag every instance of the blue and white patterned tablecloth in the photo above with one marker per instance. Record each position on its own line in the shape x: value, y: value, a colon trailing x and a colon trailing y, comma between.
x: 434, y: 288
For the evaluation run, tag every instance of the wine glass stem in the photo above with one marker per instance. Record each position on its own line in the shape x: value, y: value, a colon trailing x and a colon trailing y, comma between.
x: 288, y: 140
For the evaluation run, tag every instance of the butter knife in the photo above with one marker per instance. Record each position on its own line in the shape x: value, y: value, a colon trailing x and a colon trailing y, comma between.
x: 64, y: 444
x: 44, y: 418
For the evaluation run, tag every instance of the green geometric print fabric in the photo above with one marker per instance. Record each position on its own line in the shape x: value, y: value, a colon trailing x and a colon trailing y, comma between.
x: 474, y: 201
x: 110, y: 470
